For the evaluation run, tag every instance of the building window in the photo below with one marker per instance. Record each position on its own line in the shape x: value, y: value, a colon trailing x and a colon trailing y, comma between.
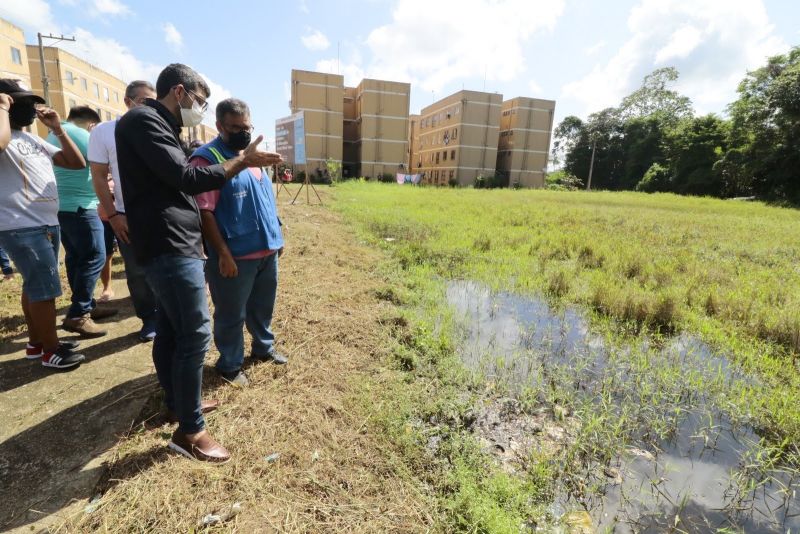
x: 100, y: 112
x: 70, y: 77
x: 452, y: 154
x: 451, y: 174
x: 455, y: 133
x: 72, y: 103
x: 84, y: 84
x: 444, y: 155
x: 108, y: 115
x: 105, y: 94
x: 16, y: 56
x: 96, y: 90
x: 437, y: 157
x: 116, y: 96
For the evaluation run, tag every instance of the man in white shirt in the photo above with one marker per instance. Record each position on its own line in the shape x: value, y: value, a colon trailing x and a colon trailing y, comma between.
x: 102, y: 159
x: 29, y: 230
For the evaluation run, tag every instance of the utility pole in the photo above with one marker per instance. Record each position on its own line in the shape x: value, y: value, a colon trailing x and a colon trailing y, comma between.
x: 591, y: 166
x: 45, y: 79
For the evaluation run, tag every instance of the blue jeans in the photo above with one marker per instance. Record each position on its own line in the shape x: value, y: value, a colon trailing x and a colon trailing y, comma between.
x: 5, y: 263
x: 35, y: 253
x: 183, y: 332
x: 85, y: 254
x: 144, y: 302
x: 248, y: 298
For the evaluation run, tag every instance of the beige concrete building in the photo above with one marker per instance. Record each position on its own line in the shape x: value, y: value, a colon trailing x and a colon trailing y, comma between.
x: 413, y: 144
x: 458, y: 138
x: 321, y: 99
x: 350, y: 133
x: 13, y: 53
x: 203, y: 133
x: 74, y: 82
x: 381, y: 127
x: 526, y: 126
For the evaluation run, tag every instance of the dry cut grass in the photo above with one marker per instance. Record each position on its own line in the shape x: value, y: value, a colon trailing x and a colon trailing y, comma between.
x: 304, y: 459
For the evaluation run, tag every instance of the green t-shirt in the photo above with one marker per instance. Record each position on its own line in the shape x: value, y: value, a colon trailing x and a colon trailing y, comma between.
x: 75, y: 188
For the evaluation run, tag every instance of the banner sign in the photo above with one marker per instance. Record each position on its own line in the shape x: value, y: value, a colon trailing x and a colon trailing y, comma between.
x: 408, y: 178
x: 290, y: 139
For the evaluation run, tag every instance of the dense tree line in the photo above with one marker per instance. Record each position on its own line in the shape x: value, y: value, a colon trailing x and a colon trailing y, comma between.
x: 653, y: 141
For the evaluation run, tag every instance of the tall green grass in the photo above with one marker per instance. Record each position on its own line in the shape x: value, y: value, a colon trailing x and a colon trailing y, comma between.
x: 726, y: 271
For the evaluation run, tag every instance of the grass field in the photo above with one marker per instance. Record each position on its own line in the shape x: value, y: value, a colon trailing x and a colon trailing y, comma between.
x: 646, y: 269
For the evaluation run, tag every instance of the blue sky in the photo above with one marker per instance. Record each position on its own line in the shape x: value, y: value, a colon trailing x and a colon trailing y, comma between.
x: 584, y: 54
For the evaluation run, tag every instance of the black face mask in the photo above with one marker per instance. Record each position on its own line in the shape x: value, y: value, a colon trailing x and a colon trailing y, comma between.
x: 238, y: 140
x: 22, y: 114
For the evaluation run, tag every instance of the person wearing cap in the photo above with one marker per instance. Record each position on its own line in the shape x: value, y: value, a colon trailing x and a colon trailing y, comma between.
x: 29, y: 230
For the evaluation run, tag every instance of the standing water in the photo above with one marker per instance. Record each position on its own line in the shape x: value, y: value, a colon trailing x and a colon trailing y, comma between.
x: 684, y: 482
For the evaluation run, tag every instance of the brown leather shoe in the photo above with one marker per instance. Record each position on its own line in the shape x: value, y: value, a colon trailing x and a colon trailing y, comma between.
x: 84, y: 326
x: 200, y: 446
x: 205, y: 407
x: 102, y: 313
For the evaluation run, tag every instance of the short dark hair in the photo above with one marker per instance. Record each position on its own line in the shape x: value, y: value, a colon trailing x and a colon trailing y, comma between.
x: 84, y: 114
x: 234, y: 106
x: 180, y: 74
x: 134, y: 86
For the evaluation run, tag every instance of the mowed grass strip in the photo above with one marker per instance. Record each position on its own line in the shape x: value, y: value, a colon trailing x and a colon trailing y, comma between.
x: 726, y: 271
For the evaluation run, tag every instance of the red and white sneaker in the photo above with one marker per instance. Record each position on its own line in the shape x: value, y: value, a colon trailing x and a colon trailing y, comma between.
x: 34, y: 352
x: 62, y: 358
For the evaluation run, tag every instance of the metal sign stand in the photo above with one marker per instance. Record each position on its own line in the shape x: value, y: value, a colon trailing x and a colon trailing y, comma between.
x: 308, y: 185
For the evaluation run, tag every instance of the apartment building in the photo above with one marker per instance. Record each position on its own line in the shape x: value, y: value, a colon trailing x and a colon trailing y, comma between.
x: 74, y: 82
x: 350, y: 133
x: 381, y: 109
x: 13, y: 53
x: 320, y: 97
x: 458, y: 138
x: 413, y: 143
x: 526, y: 126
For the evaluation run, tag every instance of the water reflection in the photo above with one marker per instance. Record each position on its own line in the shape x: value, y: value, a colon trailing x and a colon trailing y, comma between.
x: 685, y: 481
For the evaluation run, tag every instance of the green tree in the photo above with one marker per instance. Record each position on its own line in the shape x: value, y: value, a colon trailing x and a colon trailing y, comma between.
x: 764, y: 154
x: 655, y: 100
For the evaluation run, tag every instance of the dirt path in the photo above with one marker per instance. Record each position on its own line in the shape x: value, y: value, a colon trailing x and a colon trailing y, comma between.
x: 303, y: 457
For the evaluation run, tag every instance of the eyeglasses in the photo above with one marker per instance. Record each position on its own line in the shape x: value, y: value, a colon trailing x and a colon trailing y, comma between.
x: 197, y: 98
x: 239, y: 129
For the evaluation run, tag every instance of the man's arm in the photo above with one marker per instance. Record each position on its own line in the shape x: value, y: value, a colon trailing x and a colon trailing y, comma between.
x: 5, y: 125
x: 211, y: 233
x: 167, y: 162
x: 118, y: 221
x: 69, y: 157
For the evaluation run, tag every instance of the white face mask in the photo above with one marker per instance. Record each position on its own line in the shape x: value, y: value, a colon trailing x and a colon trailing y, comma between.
x: 192, y: 116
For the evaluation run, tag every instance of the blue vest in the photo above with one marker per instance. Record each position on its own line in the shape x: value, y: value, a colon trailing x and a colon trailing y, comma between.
x: 246, y: 213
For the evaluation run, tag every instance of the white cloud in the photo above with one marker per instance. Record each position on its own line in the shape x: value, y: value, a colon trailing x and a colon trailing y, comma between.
x: 535, y: 88
x: 172, y: 36
x: 108, y: 7
x: 315, y: 40
x: 712, y: 43
x: 351, y: 67
x: 681, y: 43
x: 595, y: 48
x: 303, y: 7
x: 29, y: 14
x: 458, y: 39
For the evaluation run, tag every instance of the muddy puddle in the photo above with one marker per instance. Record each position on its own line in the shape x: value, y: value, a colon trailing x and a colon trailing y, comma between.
x: 690, y: 480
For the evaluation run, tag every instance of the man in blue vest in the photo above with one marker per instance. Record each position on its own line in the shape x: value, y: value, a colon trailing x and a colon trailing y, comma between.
x: 242, y: 230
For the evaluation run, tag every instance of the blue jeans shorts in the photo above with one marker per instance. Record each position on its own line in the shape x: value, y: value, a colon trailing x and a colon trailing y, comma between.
x: 34, y: 252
